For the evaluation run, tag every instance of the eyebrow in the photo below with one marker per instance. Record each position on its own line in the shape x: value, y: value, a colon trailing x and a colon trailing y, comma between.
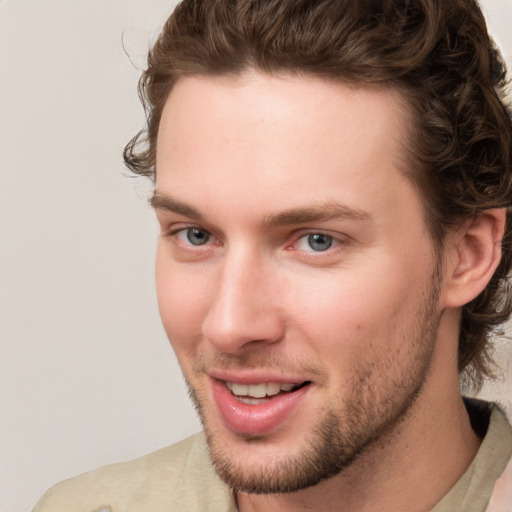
x: 163, y: 202
x: 317, y: 213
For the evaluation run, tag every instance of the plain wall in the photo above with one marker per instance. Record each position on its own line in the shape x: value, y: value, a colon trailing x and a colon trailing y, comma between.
x: 87, y: 376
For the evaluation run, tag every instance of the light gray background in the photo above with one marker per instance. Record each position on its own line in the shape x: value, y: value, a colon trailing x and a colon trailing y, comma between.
x: 86, y: 373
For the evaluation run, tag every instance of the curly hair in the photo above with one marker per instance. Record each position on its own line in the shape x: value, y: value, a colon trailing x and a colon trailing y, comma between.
x: 437, y: 53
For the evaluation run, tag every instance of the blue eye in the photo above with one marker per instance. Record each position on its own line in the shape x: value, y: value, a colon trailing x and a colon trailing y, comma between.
x: 194, y: 236
x: 317, y: 242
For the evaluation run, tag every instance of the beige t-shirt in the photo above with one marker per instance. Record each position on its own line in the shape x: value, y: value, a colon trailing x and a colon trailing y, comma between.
x: 180, y: 478
x: 472, y: 491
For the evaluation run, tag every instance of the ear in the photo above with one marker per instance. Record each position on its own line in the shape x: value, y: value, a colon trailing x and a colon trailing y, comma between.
x: 472, y: 254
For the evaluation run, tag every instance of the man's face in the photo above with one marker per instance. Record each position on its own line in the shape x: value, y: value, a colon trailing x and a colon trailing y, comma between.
x: 296, y: 279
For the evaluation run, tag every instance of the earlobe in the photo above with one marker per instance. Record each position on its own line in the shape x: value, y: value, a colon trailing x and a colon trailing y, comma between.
x: 474, y: 254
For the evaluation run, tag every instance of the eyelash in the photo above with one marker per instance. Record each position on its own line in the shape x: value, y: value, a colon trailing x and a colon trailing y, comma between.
x: 335, y: 240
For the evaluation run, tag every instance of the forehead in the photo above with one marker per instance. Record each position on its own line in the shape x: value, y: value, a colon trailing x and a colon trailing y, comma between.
x: 282, y: 139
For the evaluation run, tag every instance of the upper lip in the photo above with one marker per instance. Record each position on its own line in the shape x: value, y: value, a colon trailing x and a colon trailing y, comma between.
x: 254, y: 377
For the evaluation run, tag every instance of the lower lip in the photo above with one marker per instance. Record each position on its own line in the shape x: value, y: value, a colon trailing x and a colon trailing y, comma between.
x: 255, y: 419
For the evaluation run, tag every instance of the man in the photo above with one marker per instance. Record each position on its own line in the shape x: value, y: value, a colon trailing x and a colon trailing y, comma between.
x: 333, y: 183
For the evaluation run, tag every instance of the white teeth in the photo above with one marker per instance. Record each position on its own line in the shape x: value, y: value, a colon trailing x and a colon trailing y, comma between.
x: 273, y: 388
x: 239, y: 389
x: 251, y: 401
x: 258, y: 390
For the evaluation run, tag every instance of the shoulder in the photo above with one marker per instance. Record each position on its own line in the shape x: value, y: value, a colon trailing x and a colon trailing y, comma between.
x: 501, y: 498
x: 179, y: 477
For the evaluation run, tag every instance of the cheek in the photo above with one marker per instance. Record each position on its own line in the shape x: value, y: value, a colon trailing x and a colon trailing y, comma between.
x: 346, y: 317
x: 182, y: 302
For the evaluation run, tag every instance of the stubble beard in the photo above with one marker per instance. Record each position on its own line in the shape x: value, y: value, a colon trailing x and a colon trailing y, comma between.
x: 371, y: 413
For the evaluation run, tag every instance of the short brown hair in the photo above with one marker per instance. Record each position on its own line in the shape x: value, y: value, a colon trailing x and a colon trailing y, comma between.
x: 436, y: 52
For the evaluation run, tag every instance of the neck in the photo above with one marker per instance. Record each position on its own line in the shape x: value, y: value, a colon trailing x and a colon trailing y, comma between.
x: 409, y: 476
x: 410, y: 469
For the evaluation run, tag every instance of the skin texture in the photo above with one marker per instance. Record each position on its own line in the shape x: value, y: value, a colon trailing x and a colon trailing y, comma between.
x: 257, y: 164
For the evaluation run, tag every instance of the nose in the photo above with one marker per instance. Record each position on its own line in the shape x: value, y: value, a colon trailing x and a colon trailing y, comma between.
x: 244, y: 309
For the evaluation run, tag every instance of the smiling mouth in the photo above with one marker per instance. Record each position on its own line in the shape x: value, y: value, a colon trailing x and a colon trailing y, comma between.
x: 255, y: 394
